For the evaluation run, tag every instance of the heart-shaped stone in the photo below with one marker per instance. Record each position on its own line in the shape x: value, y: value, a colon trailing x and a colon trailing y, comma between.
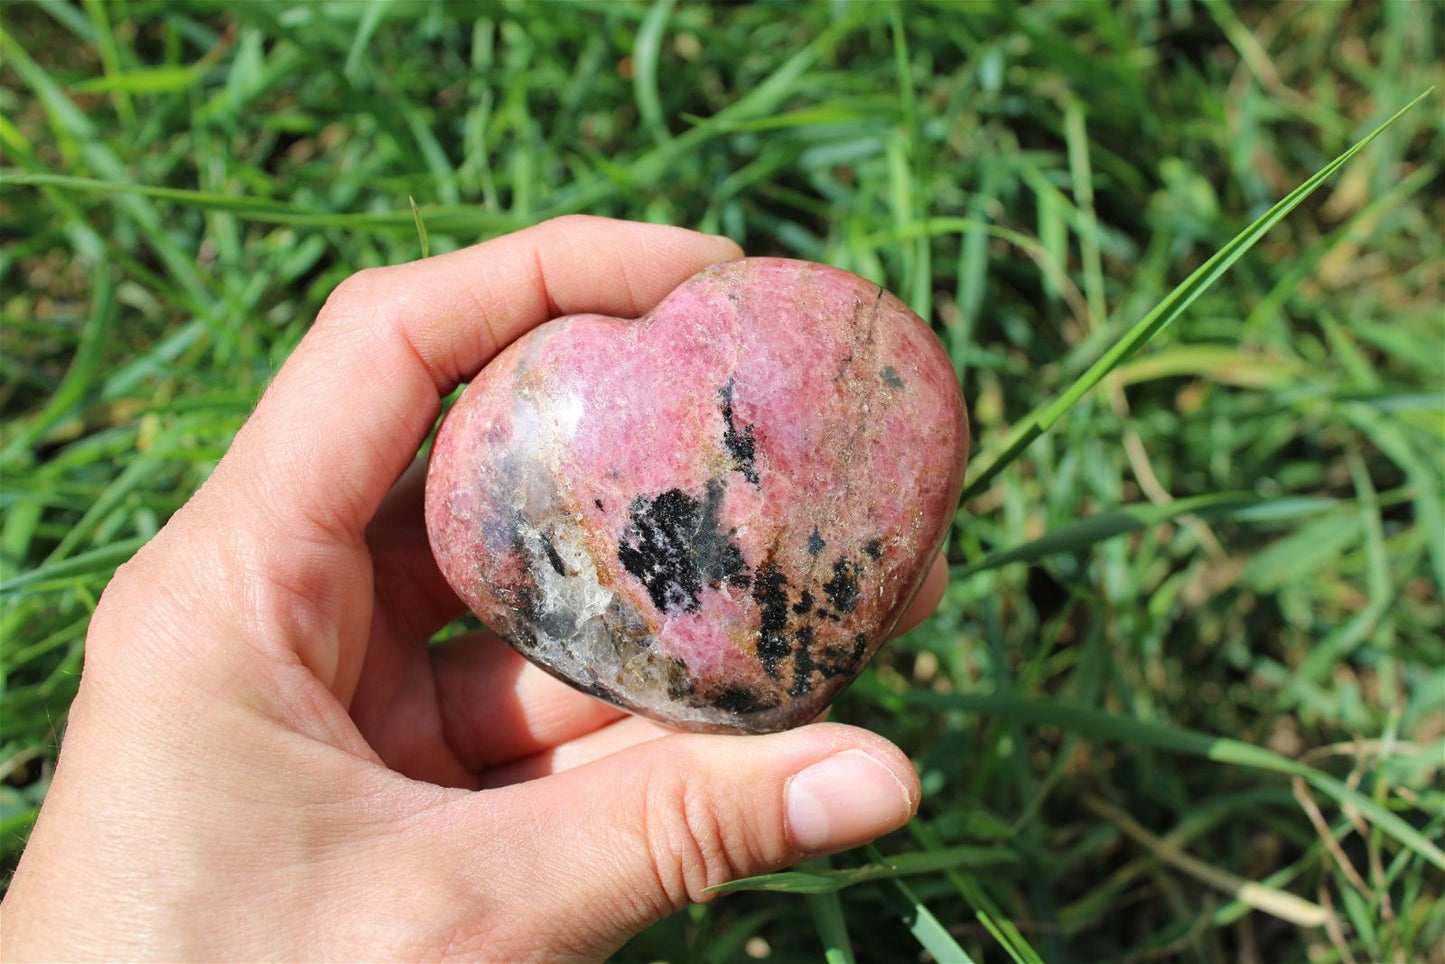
x: 714, y: 515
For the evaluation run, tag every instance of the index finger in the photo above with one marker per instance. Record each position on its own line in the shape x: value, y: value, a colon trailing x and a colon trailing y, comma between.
x: 350, y: 408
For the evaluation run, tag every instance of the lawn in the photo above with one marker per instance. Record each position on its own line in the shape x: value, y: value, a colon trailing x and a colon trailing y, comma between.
x: 1185, y: 698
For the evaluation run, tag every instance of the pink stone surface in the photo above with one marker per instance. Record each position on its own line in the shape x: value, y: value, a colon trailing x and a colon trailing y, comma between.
x: 714, y: 515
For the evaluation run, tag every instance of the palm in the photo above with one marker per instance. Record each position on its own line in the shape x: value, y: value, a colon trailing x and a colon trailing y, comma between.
x: 444, y: 713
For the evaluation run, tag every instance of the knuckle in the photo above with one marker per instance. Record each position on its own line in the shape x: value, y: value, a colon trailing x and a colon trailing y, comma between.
x: 693, y: 845
x: 146, y: 621
x: 570, y: 223
x: 109, y: 629
x: 356, y: 296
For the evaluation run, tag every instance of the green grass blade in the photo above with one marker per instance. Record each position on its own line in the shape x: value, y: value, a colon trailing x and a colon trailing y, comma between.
x: 1077, y: 140
x: 973, y: 259
x: 420, y: 228
x: 931, y: 935
x: 646, y: 51
x: 842, y: 110
x: 110, y: 59
x: 103, y: 559
x: 371, y: 18
x: 130, y: 478
x: 80, y: 376
x: 1173, y: 305
x: 155, y: 80
x: 884, y: 868
x: 989, y: 916
x: 1078, y: 536
x: 443, y: 218
x: 831, y: 921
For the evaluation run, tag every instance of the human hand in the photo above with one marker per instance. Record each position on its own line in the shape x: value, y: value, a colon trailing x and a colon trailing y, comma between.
x: 267, y: 760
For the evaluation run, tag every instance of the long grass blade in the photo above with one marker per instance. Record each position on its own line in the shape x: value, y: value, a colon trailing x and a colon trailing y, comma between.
x: 832, y: 924
x: 1173, y: 305
x: 442, y: 218
x: 420, y: 228
x: 103, y: 559
x: 646, y: 50
x: 371, y: 18
x: 81, y: 373
x: 1087, y: 532
x: 819, y: 881
x: 931, y: 935
x: 999, y: 927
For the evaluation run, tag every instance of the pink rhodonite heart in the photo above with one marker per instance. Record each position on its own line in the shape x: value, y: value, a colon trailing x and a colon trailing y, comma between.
x: 713, y: 515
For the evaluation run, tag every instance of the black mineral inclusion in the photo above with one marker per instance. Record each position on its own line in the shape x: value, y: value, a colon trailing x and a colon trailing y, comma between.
x: 674, y: 546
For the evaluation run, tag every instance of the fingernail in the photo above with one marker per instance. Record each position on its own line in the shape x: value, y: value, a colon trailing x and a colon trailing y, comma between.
x: 845, y: 800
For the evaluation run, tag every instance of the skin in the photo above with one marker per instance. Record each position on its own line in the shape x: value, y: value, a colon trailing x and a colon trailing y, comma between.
x: 267, y: 761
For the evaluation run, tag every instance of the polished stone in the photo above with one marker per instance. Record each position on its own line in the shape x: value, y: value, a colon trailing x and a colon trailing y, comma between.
x: 711, y: 516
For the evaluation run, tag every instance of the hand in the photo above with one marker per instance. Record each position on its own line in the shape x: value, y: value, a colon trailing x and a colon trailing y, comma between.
x: 266, y: 759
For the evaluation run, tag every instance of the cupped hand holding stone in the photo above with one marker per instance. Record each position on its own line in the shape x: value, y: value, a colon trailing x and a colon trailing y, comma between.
x: 267, y: 760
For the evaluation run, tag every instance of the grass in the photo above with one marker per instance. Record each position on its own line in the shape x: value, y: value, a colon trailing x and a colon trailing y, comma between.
x: 1185, y: 698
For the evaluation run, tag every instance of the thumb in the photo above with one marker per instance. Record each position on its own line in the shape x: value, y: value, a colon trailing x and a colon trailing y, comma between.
x: 614, y: 845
